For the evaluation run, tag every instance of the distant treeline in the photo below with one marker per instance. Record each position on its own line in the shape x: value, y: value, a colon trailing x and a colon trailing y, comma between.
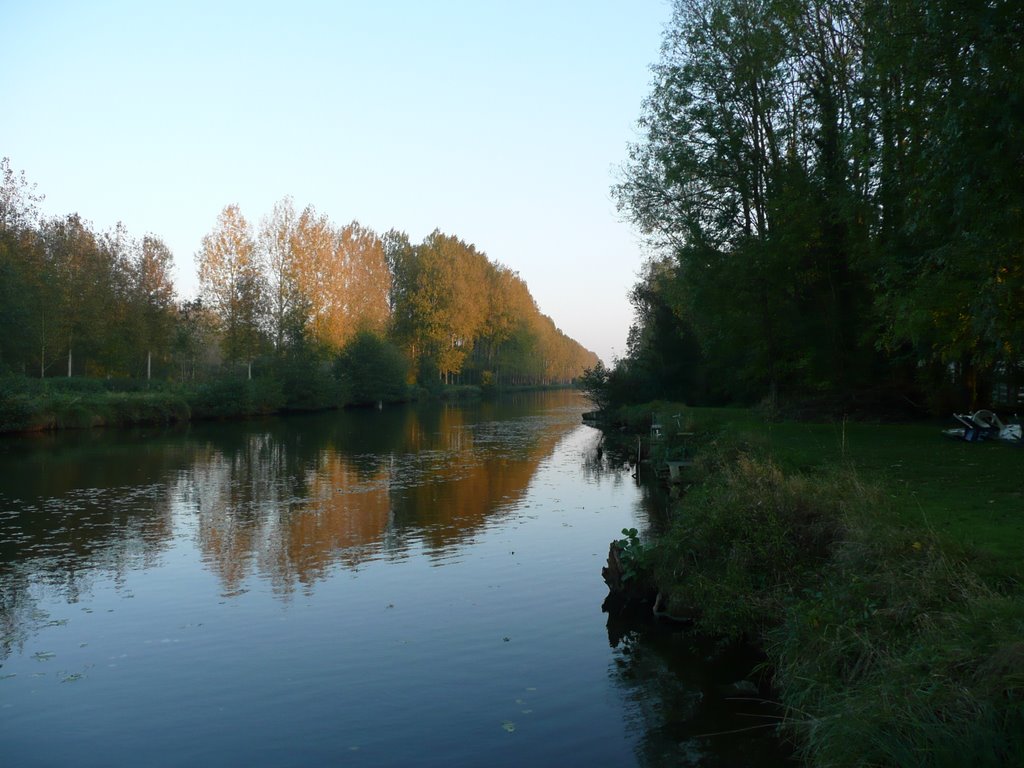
x: 836, y: 194
x: 295, y: 298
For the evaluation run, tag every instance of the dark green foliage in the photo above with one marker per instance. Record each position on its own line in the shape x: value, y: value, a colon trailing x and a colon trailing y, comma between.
x: 16, y: 405
x: 633, y: 556
x: 369, y: 370
x: 461, y: 392
x: 305, y: 380
x: 836, y: 190
x: 237, y: 398
x: 594, y: 383
x: 665, y: 359
x: 27, y: 404
x: 750, y: 536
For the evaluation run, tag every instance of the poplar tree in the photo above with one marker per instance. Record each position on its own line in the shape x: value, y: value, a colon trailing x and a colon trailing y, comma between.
x: 233, y: 285
x: 153, y: 297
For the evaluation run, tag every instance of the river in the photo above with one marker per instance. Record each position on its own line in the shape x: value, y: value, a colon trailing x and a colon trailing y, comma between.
x: 417, y: 586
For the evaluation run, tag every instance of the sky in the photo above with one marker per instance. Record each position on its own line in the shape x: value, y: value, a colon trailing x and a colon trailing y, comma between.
x: 503, y: 122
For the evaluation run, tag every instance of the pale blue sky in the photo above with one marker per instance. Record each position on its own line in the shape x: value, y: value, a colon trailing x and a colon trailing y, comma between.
x: 500, y: 122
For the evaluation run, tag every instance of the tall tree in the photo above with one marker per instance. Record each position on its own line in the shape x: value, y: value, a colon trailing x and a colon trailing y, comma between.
x: 318, y: 278
x: 80, y: 299
x: 232, y: 284
x: 756, y: 172
x: 701, y: 181
x: 21, y: 261
x: 277, y: 240
x: 951, y: 77
x: 153, y: 297
x: 399, y: 255
x: 367, y: 282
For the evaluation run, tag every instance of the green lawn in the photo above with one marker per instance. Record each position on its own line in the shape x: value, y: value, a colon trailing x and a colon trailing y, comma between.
x: 971, y: 494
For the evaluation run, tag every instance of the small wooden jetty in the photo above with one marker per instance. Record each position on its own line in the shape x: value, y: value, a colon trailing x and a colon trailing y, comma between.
x: 671, y: 461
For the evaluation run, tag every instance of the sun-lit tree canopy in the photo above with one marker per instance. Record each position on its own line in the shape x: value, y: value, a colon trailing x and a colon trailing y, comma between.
x: 288, y: 294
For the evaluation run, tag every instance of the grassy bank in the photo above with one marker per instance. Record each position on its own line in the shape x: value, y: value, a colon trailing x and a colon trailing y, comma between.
x: 30, y: 405
x: 879, y: 566
x: 27, y: 406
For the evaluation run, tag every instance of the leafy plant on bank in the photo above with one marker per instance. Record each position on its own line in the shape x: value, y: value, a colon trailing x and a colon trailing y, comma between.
x: 633, y: 556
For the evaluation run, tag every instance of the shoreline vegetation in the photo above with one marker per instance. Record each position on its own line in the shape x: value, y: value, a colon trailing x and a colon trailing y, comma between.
x: 877, y: 566
x: 32, y: 405
x: 294, y: 313
x: 836, y: 236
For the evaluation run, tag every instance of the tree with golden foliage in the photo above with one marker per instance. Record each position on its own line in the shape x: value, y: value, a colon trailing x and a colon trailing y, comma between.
x: 233, y: 285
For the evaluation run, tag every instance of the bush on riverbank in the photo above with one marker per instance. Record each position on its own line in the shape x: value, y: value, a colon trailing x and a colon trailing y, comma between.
x: 744, y: 541
x: 237, y: 398
x: 888, y: 643
x: 370, y: 370
x: 23, y: 411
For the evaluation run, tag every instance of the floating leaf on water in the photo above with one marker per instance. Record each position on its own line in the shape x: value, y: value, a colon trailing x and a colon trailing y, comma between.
x: 508, y: 726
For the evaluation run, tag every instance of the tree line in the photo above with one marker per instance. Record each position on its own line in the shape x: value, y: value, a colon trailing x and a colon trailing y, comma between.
x: 292, y: 288
x: 834, y: 195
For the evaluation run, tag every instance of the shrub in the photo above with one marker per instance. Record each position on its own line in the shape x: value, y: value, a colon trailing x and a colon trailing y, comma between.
x: 17, y: 412
x: 234, y: 398
x: 743, y: 540
x: 306, y: 383
x: 370, y: 370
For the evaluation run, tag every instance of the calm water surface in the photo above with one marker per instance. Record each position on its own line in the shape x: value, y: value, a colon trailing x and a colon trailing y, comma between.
x: 409, y: 587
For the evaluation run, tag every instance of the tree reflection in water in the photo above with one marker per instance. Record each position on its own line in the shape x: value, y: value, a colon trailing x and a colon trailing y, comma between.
x: 287, y: 499
x: 292, y: 506
x: 289, y: 512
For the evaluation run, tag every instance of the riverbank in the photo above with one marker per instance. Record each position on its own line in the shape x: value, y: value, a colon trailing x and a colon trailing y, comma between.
x: 879, y: 568
x: 30, y: 405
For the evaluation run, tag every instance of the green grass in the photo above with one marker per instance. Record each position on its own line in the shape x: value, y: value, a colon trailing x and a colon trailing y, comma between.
x: 970, y: 494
